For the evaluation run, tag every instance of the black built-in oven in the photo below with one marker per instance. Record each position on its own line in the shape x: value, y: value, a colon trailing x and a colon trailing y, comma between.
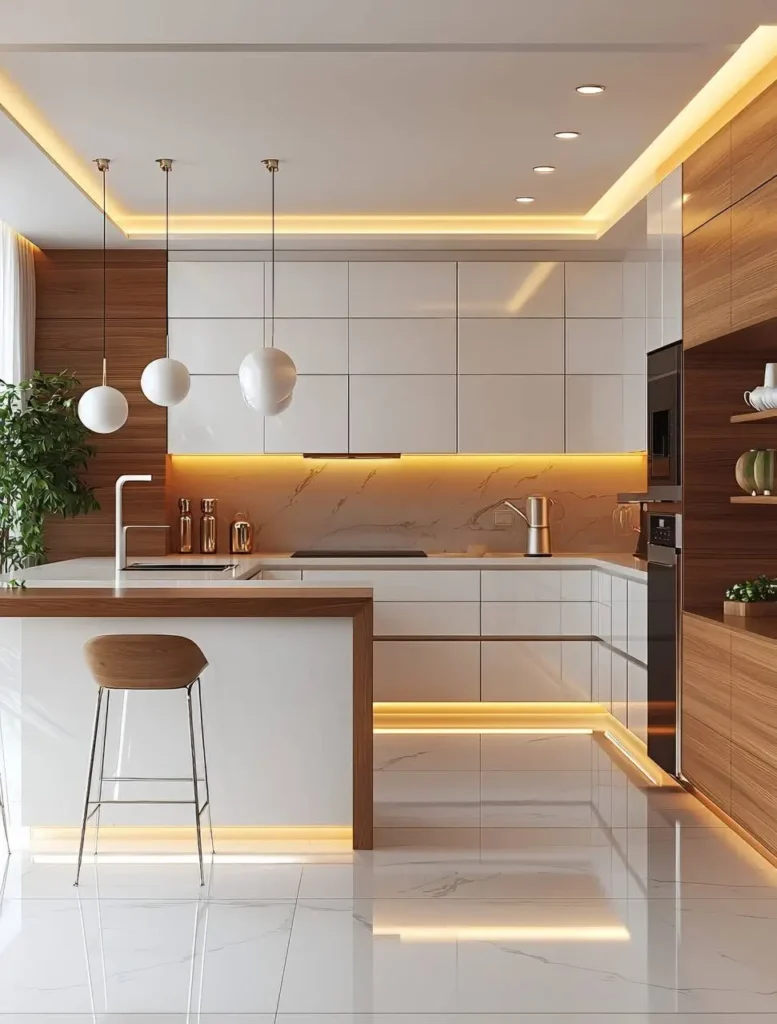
x: 664, y: 400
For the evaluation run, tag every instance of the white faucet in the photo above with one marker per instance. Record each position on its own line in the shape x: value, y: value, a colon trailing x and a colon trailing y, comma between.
x: 121, y: 530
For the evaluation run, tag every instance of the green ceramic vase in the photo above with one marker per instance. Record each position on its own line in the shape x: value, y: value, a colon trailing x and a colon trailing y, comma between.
x: 754, y: 471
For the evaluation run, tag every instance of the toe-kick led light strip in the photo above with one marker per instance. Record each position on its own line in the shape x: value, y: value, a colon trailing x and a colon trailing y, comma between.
x: 508, y: 933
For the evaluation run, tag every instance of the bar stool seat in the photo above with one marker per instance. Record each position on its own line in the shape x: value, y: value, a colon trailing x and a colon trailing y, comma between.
x: 144, y: 662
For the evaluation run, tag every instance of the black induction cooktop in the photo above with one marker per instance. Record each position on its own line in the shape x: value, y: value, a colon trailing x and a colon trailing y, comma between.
x: 359, y: 554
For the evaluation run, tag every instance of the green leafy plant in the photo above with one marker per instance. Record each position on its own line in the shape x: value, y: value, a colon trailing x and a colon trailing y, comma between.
x: 42, y: 451
x: 764, y: 588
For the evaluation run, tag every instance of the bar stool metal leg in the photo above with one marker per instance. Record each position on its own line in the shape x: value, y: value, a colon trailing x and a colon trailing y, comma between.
x: 5, y: 820
x: 194, y: 782
x: 205, y: 767
x: 101, y: 777
x: 89, y: 776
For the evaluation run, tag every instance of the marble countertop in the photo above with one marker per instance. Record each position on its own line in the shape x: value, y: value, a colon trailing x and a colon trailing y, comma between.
x: 99, y: 572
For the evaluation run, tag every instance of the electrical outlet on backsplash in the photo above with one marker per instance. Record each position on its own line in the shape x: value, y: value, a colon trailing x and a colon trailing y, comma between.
x: 423, y: 501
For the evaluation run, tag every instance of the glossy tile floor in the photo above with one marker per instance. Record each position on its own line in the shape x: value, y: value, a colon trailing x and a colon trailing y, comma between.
x: 519, y: 880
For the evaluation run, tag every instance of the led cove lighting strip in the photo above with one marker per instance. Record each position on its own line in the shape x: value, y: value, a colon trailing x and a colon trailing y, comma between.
x: 523, y: 933
x: 630, y: 757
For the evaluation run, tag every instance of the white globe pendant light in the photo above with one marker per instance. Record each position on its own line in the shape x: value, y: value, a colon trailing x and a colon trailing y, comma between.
x: 166, y: 381
x: 268, y: 375
x: 103, y: 409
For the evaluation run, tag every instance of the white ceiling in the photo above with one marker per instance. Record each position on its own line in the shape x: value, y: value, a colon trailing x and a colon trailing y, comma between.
x: 373, y: 106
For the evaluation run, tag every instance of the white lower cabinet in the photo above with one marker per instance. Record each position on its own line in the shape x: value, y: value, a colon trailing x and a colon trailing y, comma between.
x: 601, y: 668
x: 619, y: 677
x: 405, y: 584
x: 619, y: 615
x: 403, y: 414
x: 316, y: 421
x: 637, y: 621
x: 426, y: 618
x: 535, y: 670
x: 426, y: 670
x: 540, y: 618
x: 637, y: 717
x: 511, y: 413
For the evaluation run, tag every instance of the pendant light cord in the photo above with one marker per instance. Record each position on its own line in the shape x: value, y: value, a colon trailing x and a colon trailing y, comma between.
x: 167, y: 261
x: 272, y: 208
x: 104, y: 170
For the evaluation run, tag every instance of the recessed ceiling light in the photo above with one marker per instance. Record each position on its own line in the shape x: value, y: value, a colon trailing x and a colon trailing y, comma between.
x: 544, y: 169
x: 590, y: 90
x: 567, y: 135
x: 524, y: 199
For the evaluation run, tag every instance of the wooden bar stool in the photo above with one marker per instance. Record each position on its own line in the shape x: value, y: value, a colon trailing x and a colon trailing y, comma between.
x: 144, y: 662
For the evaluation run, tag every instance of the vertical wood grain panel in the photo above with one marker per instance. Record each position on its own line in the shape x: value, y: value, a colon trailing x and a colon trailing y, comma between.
x: 69, y: 337
x: 754, y: 257
x: 707, y: 181
x: 754, y: 144
x: 707, y: 281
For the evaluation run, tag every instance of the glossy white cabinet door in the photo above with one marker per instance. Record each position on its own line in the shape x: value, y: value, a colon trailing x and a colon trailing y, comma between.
x: 635, y: 289
x: 213, y: 419
x: 405, y: 584
x: 316, y: 420
x: 535, y: 670
x: 594, y: 289
x: 426, y: 670
x: 216, y: 288
x: 214, y: 345
x: 407, y: 346
x: 503, y: 345
x: 672, y: 253
x: 634, y: 413
x: 620, y: 630
x: 403, y: 414
x: 594, y: 413
x: 511, y: 414
x: 525, y: 585
x: 316, y: 345
x: 619, y: 668
x: 603, y: 346
x: 308, y: 289
x: 602, y: 675
x: 637, y: 621
x: 637, y: 714
x: 511, y: 289
x: 402, y: 289
x: 426, y: 618
x: 654, y: 270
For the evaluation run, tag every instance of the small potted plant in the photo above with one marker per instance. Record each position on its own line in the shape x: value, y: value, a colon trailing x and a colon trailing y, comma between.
x: 752, y: 597
x: 43, y: 449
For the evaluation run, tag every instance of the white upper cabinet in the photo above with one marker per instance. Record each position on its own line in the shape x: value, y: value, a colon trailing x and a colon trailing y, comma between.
x: 315, y: 345
x: 634, y: 436
x: 511, y: 289
x: 500, y: 345
x: 402, y: 289
x: 308, y: 289
x: 672, y: 261
x: 594, y: 290
x: 216, y: 289
x: 635, y: 289
x: 409, y: 346
x: 214, y: 344
x: 213, y: 419
x: 403, y: 414
x: 316, y: 420
x: 594, y: 414
x: 511, y: 414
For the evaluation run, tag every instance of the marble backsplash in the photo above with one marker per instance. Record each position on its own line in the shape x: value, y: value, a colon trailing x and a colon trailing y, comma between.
x: 419, y: 502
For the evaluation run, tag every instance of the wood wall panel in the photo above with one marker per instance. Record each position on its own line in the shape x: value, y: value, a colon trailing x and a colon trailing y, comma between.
x: 706, y: 761
x: 69, y: 337
x: 707, y: 674
x: 754, y: 145
x: 707, y: 281
x: 707, y: 181
x: 754, y: 698
x: 754, y: 257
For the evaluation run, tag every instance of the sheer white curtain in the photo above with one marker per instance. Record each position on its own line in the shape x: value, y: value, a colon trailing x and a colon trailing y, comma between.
x: 17, y: 306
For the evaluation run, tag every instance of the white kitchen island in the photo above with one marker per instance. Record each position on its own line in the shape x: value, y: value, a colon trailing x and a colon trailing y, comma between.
x: 287, y: 700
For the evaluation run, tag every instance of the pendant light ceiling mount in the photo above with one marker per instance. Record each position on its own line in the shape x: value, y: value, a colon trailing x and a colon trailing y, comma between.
x: 103, y: 409
x: 268, y: 375
x: 166, y: 381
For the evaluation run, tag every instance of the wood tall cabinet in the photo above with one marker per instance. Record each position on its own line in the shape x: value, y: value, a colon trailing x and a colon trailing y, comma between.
x: 729, y: 720
x: 729, y: 217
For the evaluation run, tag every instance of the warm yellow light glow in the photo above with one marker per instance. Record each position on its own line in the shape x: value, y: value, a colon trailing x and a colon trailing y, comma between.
x: 505, y: 730
x: 451, y: 460
x: 509, y: 933
x: 536, y: 277
x: 513, y: 717
x: 751, y: 69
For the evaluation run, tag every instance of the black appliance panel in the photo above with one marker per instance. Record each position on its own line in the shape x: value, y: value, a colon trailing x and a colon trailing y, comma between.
x: 663, y: 556
x: 664, y: 398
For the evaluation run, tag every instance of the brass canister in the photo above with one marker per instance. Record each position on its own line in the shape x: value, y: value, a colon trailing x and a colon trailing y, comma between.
x: 241, y: 535
x: 208, y: 526
x: 184, y: 526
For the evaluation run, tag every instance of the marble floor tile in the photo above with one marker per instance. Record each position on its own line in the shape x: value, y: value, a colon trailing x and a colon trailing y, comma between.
x: 538, y: 753
x: 481, y: 957
x: 418, y: 753
x: 543, y: 799
x: 427, y: 799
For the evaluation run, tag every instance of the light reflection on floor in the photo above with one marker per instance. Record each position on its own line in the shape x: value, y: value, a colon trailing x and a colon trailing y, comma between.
x: 530, y: 877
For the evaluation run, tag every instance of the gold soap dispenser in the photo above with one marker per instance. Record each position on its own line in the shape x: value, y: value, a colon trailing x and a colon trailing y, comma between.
x: 184, y: 526
x: 208, y: 526
x: 241, y: 535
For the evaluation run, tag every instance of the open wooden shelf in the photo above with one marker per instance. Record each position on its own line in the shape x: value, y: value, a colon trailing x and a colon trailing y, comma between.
x: 754, y: 499
x: 754, y: 417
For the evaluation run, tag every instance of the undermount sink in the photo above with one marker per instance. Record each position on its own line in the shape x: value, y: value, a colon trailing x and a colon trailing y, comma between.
x: 183, y: 567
